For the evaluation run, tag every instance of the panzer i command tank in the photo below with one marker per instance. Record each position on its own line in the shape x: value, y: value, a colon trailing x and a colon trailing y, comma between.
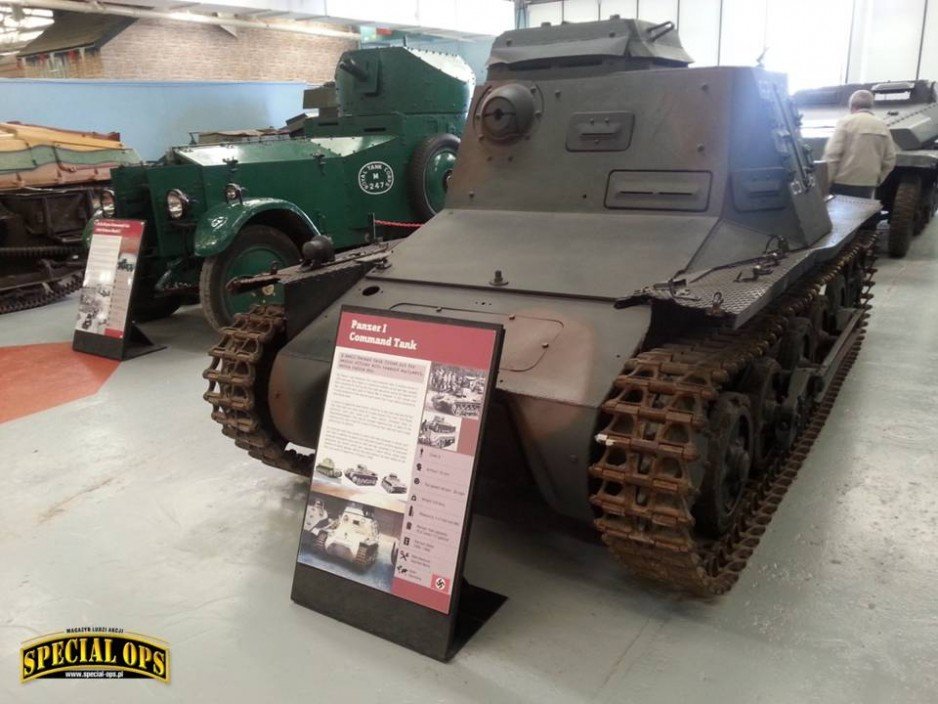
x: 910, y: 109
x: 680, y: 302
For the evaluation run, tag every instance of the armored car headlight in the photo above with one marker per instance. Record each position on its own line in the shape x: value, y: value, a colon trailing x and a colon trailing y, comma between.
x: 234, y: 193
x: 106, y: 200
x: 177, y: 203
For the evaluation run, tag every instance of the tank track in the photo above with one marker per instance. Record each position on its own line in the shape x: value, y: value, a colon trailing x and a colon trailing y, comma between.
x: 242, y: 357
x: 658, y: 429
x: 55, y: 278
x: 365, y: 557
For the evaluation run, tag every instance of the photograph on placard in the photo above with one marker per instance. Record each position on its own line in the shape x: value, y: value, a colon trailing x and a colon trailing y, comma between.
x: 351, y: 539
x: 439, y: 430
x: 455, y: 391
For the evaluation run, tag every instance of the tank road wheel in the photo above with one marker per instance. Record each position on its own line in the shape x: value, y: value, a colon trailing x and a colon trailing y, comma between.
x: 762, y: 383
x: 255, y: 249
x: 798, y: 342
x: 903, y: 220
x: 728, y: 463
x: 429, y: 172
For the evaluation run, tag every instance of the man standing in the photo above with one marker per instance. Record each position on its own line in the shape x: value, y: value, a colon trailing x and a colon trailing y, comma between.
x: 860, y: 153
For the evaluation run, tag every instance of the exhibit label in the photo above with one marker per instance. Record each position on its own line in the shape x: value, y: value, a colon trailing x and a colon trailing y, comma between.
x: 109, y: 274
x: 389, y: 494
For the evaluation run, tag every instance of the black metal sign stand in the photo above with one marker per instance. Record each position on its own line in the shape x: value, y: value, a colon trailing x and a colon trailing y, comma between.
x: 433, y: 633
x: 132, y: 342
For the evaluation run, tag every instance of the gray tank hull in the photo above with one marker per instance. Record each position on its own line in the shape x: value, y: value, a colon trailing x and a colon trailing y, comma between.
x: 608, y: 203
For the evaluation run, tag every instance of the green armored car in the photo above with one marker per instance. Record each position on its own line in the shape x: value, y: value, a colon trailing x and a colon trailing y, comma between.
x: 375, y: 162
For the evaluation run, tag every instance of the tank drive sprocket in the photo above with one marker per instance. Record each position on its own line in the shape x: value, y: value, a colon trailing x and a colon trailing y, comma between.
x: 240, y: 365
x: 659, y: 423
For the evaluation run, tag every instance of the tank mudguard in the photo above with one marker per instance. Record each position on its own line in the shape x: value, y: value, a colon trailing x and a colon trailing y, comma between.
x: 220, y: 225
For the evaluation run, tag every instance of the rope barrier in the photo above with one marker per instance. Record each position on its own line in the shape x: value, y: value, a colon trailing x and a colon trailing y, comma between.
x: 393, y: 223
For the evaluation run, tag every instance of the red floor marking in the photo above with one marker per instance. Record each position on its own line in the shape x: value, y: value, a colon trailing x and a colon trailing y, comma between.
x: 34, y: 378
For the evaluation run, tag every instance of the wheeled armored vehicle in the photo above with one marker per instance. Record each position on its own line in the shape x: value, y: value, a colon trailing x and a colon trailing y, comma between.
x: 352, y: 537
x: 361, y: 475
x: 327, y: 468
x: 374, y: 166
x: 680, y: 302
x: 910, y: 109
x: 50, y: 182
x: 392, y: 484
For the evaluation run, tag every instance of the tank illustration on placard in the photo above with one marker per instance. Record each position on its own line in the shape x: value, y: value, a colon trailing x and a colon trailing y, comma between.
x: 680, y: 302
x: 393, y: 485
x: 327, y: 467
x: 361, y: 475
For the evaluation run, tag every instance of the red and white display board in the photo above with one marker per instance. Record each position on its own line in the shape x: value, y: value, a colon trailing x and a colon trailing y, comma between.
x: 390, y: 493
x: 104, y: 325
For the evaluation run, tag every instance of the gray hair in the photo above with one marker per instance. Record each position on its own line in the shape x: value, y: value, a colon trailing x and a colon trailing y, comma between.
x: 861, y: 100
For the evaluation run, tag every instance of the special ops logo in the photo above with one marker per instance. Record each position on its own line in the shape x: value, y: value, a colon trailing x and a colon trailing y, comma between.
x: 94, y: 653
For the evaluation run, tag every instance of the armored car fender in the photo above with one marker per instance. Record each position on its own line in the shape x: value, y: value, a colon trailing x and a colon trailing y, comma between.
x: 219, y: 226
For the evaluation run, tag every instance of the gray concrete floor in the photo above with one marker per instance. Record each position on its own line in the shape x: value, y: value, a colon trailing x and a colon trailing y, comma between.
x: 131, y: 509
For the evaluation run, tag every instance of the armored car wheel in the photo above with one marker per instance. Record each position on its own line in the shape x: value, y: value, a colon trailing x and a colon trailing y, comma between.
x: 254, y: 251
x: 147, y: 306
x: 429, y: 172
x: 903, y: 220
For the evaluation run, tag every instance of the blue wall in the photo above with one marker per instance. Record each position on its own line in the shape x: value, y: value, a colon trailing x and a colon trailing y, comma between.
x: 150, y: 116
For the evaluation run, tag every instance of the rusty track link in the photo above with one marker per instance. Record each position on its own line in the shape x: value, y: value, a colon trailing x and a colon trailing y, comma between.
x: 657, y: 436
x: 239, y: 361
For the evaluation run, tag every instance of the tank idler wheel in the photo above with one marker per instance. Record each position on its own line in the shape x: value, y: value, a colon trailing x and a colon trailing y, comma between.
x: 728, y: 464
x: 798, y: 342
x: 903, y: 220
x: 762, y: 383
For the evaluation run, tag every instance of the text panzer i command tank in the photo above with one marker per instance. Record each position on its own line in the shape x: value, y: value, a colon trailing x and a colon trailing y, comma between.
x: 680, y: 302
x: 910, y: 110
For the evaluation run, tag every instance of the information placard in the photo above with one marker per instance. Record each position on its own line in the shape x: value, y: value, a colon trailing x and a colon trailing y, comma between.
x: 388, y: 511
x: 104, y: 325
